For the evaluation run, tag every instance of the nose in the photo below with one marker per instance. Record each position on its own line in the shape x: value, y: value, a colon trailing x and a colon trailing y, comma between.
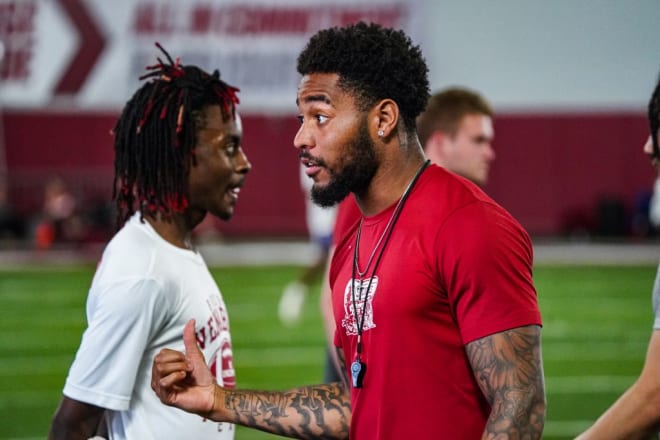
x: 303, y: 138
x: 490, y: 153
x: 648, y: 147
x: 243, y: 165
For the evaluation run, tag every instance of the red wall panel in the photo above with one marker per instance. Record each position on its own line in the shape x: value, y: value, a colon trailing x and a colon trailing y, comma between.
x: 550, y: 172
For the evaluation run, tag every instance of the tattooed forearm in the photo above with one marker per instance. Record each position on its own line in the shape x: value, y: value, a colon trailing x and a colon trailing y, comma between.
x: 315, y: 412
x: 509, y: 370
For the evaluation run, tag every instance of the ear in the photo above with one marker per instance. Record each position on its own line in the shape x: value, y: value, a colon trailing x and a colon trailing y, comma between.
x: 383, y: 118
x: 436, y: 145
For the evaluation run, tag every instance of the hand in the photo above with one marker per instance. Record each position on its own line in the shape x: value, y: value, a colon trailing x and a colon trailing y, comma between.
x: 184, y: 380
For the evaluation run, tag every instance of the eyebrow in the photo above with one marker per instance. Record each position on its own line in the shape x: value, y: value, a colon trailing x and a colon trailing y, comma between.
x: 315, y: 98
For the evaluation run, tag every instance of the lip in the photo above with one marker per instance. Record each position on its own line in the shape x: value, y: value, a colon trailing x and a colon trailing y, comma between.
x: 312, y: 168
x: 233, y: 189
x: 312, y: 171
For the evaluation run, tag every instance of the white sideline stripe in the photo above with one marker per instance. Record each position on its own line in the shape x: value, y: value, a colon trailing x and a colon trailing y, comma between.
x: 587, y: 384
x: 597, y: 350
x: 565, y: 428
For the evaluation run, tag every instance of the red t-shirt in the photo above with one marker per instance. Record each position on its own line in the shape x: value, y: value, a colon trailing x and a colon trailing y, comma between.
x: 457, y: 268
x: 347, y: 217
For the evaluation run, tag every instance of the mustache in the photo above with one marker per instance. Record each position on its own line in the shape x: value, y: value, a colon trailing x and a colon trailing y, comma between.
x: 315, y: 160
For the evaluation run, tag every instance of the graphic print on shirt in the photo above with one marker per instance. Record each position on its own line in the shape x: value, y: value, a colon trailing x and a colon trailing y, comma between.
x: 359, y: 305
x: 217, y: 326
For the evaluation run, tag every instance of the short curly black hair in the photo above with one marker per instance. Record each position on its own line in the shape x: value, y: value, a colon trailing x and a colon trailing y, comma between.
x: 373, y: 63
x: 654, y: 118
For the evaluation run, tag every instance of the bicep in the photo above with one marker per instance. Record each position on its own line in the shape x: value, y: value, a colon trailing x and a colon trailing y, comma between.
x: 508, y: 368
x: 508, y: 362
x: 74, y: 419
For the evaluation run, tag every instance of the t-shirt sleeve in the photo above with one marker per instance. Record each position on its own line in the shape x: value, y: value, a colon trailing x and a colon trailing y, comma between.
x: 122, y: 319
x: 485, y: 262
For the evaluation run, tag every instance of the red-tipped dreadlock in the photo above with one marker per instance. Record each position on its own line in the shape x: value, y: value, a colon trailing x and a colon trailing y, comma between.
x: 155, y: 136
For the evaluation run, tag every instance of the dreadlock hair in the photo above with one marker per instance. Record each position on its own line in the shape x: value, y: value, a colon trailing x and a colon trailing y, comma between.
x: 445, y: 110
x: 654, y: 118
x: 373, y: 63
x: 156, y: 134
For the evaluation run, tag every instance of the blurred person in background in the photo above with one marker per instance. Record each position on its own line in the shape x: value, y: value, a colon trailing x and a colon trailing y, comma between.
x: 320, y: 223
x: 636, y: 414
x: 456, y: 132
x: 438, y: 327
x: 178, y: 157
x: 59, y: 221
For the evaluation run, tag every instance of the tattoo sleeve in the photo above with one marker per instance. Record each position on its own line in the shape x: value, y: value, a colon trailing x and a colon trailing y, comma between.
x: 509, y: 370
x: 313, y: 412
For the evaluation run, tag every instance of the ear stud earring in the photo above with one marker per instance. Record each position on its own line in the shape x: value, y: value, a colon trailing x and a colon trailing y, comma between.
x: 381, y: 133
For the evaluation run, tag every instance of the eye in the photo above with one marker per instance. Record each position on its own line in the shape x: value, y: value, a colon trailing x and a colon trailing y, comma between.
x: 322, y: 119
x: 300, y: 118
x: 231, y: 149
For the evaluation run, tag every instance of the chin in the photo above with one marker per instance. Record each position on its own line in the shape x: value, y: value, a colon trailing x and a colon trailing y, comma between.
x: 224, y: 214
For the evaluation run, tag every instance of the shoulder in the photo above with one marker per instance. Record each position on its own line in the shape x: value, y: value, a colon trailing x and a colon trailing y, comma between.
x: 444, y: 196
x: 457, y: 218
x: 130, y: 251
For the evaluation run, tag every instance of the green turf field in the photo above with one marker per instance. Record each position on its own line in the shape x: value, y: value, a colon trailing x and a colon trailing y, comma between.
x: 597, y: 324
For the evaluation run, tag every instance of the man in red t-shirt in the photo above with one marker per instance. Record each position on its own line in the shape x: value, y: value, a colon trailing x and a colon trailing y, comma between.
x: 438, y: 326
x: 456, y: 132
x: 455, y: 271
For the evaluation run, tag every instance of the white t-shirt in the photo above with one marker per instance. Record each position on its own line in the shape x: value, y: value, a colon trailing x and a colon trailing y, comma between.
x: 143, y: 293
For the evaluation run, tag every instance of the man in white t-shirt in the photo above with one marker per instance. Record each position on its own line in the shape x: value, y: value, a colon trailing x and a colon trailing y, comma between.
x: 178, y: 157
x: 320, y: 224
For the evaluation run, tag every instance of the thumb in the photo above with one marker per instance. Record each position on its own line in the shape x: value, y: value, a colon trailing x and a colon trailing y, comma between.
x: 200, y: 371
x: 190, y: 341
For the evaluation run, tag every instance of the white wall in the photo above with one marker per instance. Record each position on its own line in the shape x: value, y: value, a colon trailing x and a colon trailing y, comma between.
x: 547, y: 55
x: 522, y: 54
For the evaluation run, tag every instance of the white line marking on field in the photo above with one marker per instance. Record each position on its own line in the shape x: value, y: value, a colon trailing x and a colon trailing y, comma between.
x: 587, y: 384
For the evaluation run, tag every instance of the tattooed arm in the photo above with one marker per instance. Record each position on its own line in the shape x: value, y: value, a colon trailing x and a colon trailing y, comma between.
x: 312, y: 412
x: 509, y: 370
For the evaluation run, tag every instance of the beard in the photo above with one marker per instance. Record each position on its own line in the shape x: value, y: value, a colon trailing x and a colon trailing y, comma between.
x: 353, y: 174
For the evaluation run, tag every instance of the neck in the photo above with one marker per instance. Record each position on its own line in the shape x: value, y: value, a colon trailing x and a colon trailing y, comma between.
x: 174, y: 230
x: 389, y: 182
